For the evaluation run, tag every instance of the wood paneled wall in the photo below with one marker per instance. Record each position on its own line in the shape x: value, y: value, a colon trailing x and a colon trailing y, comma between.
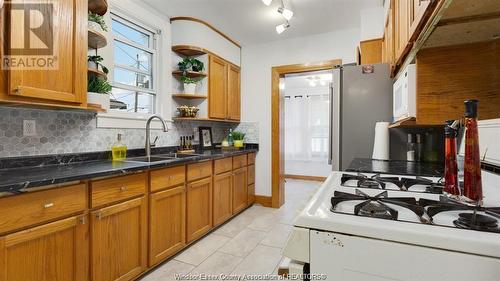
x: 446, y: 76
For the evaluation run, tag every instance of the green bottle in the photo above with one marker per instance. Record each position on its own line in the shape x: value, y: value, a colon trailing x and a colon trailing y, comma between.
x: 230, y: 138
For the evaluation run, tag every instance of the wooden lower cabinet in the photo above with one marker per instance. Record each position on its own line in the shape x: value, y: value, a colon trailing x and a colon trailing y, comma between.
x: 198, y: 208
x: 56, y: 251
x: 223, y: 198
x: 251, y: 194
x: 167, y: 218
x: 240, y: 189
x: 119, y: 241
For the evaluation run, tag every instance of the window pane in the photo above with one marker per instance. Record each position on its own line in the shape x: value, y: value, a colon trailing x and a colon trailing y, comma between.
x: 131, y: 101
x: 132, y: 78
x: 133, y: 57
x: 130, y: 33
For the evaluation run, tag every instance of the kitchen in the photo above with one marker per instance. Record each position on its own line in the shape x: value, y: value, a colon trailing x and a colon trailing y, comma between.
x: 153, y: 148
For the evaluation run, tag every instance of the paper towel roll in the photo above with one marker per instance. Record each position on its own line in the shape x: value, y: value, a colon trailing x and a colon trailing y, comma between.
x: 381, y: 144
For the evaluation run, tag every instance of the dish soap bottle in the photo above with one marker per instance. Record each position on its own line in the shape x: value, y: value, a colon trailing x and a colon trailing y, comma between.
x: 119, y: 149
x: 230, y: 139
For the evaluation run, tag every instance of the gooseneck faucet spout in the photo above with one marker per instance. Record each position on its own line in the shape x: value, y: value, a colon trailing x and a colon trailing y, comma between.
x: 148, y: 132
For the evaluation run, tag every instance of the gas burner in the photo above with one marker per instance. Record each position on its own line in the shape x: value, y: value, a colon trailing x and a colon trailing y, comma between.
x: 376, y: 206
x: 417, y: 184
x: 476, y: 222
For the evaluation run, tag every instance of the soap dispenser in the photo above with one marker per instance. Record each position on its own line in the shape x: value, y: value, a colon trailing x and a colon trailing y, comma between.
x: 119, y: 149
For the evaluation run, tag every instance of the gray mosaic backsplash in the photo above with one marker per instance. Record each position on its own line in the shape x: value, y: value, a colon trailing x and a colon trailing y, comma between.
x: 60, y: 132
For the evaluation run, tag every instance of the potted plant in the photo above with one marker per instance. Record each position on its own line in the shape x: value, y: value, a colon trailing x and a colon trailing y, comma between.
x: 190, y: 64
x: 238, y: 138
x: 96, y: 22
x: 95, y: 61
x: 98, y: 90
x: 189, y: 85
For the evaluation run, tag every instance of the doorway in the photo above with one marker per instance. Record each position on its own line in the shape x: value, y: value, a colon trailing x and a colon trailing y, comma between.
x: 278, y: 122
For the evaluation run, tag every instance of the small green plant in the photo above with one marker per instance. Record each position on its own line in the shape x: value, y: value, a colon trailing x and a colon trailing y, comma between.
x: 191, y: 64
x: 188, y: 80
x: 98, y: 85
x: 99, y: 20
x: 97, y: 60
x: 238, y: 135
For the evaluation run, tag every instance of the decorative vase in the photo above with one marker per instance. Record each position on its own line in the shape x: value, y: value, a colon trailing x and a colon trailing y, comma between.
x: 189, y: 88
x: 100, y: 99
x: 91, y: 65
x: 238, y: 143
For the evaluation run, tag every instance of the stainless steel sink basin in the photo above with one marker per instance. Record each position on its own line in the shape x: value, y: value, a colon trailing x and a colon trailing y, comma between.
x: 176, y: 155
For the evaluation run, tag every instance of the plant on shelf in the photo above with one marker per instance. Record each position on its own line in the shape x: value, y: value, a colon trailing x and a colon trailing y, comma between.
x: 98, y: 90
x: 97, y: 20
x: 238, y: 138
x: 189, y: 84
x: 95, y: 61
x: 191, y: 64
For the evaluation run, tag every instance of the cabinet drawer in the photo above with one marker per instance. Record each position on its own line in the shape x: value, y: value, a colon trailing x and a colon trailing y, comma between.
x: 117, y: 189
x: 251, y: 158
x: 199, y: 170
x: 239, y: 161
x: 223, y: 165
x: 165, y: 178
x: 251, y: 174
x: 38, y: 207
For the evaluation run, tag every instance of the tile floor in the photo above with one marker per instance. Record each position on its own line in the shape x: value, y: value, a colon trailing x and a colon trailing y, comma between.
x: 250, y: 243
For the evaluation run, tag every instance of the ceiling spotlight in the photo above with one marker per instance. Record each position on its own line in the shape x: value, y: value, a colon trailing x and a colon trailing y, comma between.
x: 282, y: 27
x: 287, y: 14
x: 267, y: 2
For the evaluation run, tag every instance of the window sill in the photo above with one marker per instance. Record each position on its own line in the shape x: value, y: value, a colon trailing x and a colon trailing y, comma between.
x: 121, y: 120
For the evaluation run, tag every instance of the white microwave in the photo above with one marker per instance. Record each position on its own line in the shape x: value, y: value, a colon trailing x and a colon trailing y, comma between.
x: 404, y: 91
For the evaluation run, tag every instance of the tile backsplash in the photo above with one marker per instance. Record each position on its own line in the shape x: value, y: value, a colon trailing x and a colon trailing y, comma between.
x: 60, y: 132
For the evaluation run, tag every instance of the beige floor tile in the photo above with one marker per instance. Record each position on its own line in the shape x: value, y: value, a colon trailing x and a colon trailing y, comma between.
x: 218, y: 263
x: 167, y: 271
x: 202, y: 249
x: 264, y: 222
x: 278, y: 236
x: 235, y: 226
x: 262, y: 260
x: 243, y: 243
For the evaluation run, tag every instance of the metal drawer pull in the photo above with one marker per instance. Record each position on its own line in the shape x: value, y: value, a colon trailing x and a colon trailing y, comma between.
x: 48, y: 205
x: 123, y: 188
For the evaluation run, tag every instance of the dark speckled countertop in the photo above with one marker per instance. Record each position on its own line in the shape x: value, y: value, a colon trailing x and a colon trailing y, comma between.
x: 20, y: 175
x: 397, y: 167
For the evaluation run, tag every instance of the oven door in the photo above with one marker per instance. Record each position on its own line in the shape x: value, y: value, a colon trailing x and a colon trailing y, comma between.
x: 352, y: 258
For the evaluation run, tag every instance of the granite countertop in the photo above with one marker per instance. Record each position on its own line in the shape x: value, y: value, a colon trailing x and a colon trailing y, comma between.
x: 397, y: 167
x: 16, y: 180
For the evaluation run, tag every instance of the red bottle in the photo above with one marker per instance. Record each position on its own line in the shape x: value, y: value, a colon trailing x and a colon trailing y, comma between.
x: 450, y: 163
x: 473, y: 188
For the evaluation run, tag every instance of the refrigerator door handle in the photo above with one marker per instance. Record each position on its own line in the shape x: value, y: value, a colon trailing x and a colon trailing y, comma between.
x: 330, y: 128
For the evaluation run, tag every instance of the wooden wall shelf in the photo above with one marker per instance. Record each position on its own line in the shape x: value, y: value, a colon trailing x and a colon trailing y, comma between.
x: 96, y: 39
x: 99, y: 7
x: 178, y: 119
x: 97, y: 73
x: 191, y: 74
x: 411, y: 122
x: 189, y: 51
x: 189, y: 96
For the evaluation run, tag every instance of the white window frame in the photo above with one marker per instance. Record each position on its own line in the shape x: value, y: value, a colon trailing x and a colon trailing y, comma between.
x: 133, y: 120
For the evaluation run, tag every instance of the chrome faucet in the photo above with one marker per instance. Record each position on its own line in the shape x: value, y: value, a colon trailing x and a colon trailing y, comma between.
x: 148, y: 132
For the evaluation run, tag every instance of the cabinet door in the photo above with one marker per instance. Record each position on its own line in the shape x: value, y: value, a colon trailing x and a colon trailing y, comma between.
x: 54, y: 251
x: 167, y: 220
x: 198, y: 208
x: 240, y: 189
x: 217, y: 88
x: 233, y: 93
x: 118, y: 241
x: 402, y: 25
x: 419, y: 9
x: 223, y: 197
x: 67, y: 81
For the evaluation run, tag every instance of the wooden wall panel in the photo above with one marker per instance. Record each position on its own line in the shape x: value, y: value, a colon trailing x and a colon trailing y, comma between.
x: 446, y: 76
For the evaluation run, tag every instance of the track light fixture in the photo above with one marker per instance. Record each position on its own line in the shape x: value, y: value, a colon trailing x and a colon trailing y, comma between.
x: 282, y: 27
x: 267, y: 2
x: 287, y: 14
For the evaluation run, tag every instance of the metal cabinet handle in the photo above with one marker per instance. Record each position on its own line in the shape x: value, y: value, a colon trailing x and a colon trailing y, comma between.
x: 123, y: 188
x: 48, y: 205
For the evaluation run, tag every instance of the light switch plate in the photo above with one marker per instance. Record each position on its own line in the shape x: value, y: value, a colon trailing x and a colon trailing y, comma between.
x: 29, y: 128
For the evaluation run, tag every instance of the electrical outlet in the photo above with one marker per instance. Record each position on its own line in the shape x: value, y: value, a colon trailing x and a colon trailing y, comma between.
x: 29, y: 128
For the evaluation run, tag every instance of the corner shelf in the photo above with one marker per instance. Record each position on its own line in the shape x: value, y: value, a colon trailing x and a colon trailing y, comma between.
x: 178, y: 119
x: 189, y: 51
x: 97, y: 40
x: 99, y: 7
x: 189, y: 96
x: 190, y: 74
x: 96, y: 73
x: 411, y: 122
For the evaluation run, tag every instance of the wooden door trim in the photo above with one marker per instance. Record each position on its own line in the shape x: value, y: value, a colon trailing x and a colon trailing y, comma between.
x: 277, y: 116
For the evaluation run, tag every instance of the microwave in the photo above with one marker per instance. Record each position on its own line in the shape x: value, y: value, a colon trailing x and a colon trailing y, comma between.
x: 404, y: 91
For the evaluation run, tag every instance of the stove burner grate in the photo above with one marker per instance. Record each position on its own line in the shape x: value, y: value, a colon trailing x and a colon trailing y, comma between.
x: 476, y: 222
x: 380, y: 182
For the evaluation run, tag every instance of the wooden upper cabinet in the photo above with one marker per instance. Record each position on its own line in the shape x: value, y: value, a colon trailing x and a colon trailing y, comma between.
x: 64, y: 40
x: 233, y: 93
x: 198, y: 208
x: 402, y: 9
x: 418, y: 11
x: 371, y: 51
x: 119, y: 241
x: 217, y: 92
x: 54, y: 251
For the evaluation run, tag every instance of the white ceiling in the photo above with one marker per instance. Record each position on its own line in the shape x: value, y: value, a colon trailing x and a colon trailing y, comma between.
x: 251, y: 22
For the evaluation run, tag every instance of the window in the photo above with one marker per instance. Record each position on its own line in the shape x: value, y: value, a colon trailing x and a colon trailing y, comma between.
x: 134, y: 66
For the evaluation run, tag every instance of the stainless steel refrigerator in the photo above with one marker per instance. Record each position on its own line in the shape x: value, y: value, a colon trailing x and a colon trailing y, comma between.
x: 360, y: 96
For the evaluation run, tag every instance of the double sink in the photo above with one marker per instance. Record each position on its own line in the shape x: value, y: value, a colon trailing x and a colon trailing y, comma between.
x: 161, y: 158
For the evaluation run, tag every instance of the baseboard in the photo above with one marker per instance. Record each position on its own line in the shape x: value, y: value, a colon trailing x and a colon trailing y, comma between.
x: 266, y: 201
x: 307, y: 178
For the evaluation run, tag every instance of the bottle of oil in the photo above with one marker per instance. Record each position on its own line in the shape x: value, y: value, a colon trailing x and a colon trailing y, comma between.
x: 119, y: 149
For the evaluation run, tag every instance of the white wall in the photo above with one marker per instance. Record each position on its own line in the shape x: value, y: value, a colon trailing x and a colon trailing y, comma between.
x: 372, y: 23
x: 257, y: 62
